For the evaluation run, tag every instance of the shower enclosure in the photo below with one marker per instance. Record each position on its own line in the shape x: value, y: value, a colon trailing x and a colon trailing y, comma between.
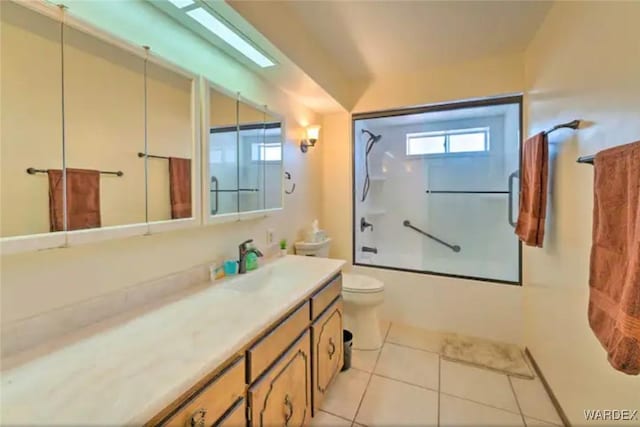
x: 436, y: 189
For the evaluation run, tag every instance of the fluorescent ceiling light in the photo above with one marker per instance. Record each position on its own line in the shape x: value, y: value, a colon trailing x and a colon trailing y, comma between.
x: 180, y: 4
x: 221, y: 30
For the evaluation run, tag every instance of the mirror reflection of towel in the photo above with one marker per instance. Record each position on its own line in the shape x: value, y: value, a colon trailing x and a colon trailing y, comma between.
x: 180, y: 187
x: 614, y: 279
x: 533, y: 190
x: 83, y: 199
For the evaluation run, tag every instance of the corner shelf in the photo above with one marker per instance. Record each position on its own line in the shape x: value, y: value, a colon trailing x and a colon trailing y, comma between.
x: 374, y: 212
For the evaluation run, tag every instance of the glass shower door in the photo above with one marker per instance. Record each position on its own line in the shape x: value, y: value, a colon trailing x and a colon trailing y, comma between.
x: 437, y: 190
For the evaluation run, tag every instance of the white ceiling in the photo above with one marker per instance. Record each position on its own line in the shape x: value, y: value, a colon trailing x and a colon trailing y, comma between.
x: 371, y: 38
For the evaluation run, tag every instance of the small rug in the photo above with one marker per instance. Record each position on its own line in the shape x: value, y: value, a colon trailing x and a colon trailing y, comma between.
x: 506, y: 358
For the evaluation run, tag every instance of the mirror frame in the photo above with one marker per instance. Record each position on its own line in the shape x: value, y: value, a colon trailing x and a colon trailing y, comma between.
x: 38, y: 241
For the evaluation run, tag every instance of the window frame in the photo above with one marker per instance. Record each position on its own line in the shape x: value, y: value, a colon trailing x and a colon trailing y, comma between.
x: 447, y: 133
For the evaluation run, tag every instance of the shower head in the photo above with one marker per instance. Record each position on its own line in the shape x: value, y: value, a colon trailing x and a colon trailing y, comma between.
x: 372, y: 137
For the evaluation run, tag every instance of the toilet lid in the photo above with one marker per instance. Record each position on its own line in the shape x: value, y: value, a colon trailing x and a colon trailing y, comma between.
x: 361, y: 283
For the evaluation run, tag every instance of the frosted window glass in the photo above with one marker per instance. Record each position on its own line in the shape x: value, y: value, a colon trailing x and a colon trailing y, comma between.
x: 425, y: 145
x: 467, y: 142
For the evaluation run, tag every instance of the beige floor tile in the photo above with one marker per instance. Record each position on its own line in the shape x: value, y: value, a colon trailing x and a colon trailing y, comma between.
x: 414, y: 337
x: 459, y: 412
x: 345, y: 393
x: 534, y: 400
x: 393, y: 403
x: 407, y: 364
x: 532, y: 422
x: 477, y: 384
x: 384, y: 328
x: 365, y: 360
x: 324, y: 419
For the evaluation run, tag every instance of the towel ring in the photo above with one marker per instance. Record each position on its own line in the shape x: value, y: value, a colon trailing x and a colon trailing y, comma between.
x: 287, y: 176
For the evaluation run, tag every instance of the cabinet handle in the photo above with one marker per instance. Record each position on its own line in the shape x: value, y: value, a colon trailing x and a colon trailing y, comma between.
x: 197, y: 419
x: 332, y: 348
x: 289, y: 410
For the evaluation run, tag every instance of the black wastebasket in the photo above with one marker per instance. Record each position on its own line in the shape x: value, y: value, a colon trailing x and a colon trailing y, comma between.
x: 347, y: 343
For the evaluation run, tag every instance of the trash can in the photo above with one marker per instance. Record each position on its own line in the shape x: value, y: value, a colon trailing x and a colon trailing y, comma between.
x: 347, y: 343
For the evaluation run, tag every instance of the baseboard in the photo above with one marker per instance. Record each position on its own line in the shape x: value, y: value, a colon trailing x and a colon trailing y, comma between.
x: 554, y: 400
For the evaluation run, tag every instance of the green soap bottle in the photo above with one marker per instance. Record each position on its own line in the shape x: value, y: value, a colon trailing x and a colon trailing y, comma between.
x: 252, y: 261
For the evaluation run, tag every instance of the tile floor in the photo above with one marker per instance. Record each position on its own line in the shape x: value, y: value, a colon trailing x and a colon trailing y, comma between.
x: 407, y: 383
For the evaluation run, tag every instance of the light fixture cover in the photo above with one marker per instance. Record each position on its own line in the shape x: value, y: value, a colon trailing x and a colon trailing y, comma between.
x: 222, y: 30
x: 313, y: 132
x: 180, y: 4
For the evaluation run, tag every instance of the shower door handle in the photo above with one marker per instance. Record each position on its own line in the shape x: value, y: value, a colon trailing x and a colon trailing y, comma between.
x: 513, y: 175
x: 214, y: 182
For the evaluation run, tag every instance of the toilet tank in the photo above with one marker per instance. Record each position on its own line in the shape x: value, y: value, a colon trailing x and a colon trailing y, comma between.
x: 319, y: 249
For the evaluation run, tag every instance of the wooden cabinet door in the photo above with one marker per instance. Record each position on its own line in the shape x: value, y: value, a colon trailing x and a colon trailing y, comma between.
x: 282, y: 397
x: 235, y: 417
x: 327, y: 350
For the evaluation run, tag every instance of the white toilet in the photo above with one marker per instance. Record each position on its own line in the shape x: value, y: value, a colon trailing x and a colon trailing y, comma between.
x: 361, y: 294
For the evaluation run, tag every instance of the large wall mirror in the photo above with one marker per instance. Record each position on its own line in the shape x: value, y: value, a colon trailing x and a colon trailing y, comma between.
x: 31, y: 116
x: 104, y: 106
x: 99, y: 139
x: 251, y: 165
x: 170, y: 144
x: 244, y: 148
x: 222, y: 179
x: 96, y: 134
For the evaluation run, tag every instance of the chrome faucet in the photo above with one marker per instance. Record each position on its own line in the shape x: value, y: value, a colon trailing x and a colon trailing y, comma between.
x: 243, y: 251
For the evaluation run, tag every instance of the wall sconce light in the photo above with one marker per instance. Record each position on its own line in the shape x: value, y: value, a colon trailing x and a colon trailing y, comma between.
x: 312, y: 136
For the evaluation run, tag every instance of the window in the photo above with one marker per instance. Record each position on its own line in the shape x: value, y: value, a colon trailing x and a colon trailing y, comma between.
x: 266, y: 151
x: 448, y: 142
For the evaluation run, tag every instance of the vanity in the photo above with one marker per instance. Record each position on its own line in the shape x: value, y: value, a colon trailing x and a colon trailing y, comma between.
x: 260, y: 349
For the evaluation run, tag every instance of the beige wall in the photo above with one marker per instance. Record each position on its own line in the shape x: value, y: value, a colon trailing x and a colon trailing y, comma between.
x: 473, y: 79
x: 432, y: 302
x: 61, y: 277
x: 584, y: 63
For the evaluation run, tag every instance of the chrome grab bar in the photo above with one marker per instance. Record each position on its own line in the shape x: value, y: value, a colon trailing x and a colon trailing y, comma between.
x: 454, y: 248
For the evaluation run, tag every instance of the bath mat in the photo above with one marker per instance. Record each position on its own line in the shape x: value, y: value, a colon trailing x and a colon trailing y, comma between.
x: 505, y: 358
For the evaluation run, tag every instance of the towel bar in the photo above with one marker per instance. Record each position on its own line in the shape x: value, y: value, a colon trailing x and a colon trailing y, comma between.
x: 33, y: 171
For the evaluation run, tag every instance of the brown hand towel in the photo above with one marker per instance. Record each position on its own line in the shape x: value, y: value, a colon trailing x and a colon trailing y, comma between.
x: 614, y: 281
x: 533, y: 190
x: 180, y: 187
x: 83, y: 199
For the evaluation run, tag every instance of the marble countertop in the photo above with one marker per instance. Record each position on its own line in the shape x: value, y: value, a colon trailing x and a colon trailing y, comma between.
x: 125, y: 371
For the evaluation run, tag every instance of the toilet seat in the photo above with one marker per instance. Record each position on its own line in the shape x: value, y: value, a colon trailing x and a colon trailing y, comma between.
x: 356, y: 283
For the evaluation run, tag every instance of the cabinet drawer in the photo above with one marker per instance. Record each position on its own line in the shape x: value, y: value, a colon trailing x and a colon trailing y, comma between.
x: 282, y: 397
x: 236, y: 417
x: 326, y: 336
x: 325, y: 296
x: 262, y: 354
x: 214, y: 399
